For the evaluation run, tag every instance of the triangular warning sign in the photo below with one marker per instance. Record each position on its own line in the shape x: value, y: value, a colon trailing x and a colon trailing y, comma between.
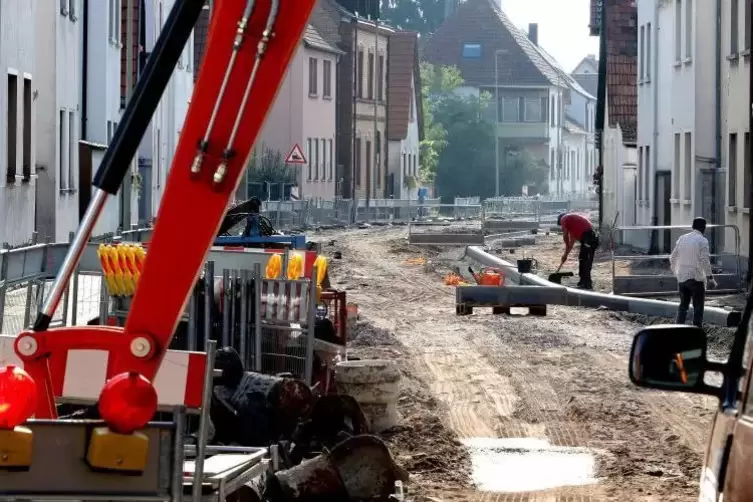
x: 295, y: 156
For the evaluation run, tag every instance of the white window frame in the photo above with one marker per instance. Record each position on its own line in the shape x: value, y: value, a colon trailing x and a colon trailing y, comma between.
x: 503, y: 115
x: 536, y: 102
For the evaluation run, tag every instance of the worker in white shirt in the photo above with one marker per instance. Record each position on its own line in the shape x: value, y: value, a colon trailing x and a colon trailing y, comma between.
x: 690, y: 262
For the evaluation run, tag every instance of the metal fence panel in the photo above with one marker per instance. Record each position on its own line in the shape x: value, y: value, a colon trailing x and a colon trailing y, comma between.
x: 446, y: 224
x: 640, y: 259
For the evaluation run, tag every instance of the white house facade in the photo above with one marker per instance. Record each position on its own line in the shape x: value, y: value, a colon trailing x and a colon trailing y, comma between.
x: 735, y: 54
x: 678, y: 151
x: 101, y: 90
x: 17, y: 107
x: 620, y: 160
x: 304, y: 114
x: 405, y: 157
x: 574, y: 159
x: 57, y: 116
x: 161, y: 139
x: 571, y: 139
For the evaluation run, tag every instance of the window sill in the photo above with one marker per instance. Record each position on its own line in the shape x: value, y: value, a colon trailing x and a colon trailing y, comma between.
x: 731, y: 209
x: 745, y: 53
x: 687, y: 61
x: 677, y: 63
x: 313, y: 95
x: 328, y: 98
x: 674, y: 201
x: 687, y: 202
x: 745, y: 210
x: 733, y: 57
x: 19, y: 180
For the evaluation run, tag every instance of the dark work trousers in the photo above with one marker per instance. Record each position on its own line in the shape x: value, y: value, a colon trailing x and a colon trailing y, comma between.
x: 589, y: 241
x: 695, y: 291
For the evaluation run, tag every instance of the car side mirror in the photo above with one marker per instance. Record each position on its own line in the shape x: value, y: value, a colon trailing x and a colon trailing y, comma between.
x: 670, y: 357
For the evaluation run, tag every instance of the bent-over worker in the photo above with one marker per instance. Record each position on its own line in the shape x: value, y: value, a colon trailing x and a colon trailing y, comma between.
x: 691, y: 263
x: 578, y: 228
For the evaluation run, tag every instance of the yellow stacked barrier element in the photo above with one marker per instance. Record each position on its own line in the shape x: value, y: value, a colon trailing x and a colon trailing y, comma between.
x: 321, y: 272
x: 296, y: 264
x: 107, y: 270
x: 121, y: 266
x: 274, y: 267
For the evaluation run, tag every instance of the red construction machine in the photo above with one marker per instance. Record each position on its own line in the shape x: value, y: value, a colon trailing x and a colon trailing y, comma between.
x: 127, y: 373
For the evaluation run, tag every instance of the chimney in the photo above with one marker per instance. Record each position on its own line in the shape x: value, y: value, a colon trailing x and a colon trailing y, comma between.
x: 533, y: 33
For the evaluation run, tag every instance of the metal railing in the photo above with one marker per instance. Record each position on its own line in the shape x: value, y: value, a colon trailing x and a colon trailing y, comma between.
x: 254, y: 321
x: 640, y: 259
x: 446, y: 224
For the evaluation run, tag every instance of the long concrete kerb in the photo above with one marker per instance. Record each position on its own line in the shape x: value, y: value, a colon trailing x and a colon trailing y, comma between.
x: 580, y: 298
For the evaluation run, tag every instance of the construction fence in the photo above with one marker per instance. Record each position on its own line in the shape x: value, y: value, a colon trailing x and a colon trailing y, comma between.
x: 539, y: 209
x: 269, y: 322
x: 304, y: 214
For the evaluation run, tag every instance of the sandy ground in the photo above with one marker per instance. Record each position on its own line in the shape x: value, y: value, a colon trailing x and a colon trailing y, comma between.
x: 560, y: 378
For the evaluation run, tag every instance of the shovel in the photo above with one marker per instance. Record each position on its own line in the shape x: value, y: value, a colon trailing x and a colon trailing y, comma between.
x: 557, y: 276
x: 475, y: 277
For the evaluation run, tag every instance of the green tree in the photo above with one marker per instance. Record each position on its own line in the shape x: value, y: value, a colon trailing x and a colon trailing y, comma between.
x: 464, y: 166
x: 267, y: 165
x: 267, y: 174
x: 458, y: 151
x: 518, y: 168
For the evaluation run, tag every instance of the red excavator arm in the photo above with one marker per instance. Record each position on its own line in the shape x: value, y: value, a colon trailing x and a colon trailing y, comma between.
x: 249, y: 47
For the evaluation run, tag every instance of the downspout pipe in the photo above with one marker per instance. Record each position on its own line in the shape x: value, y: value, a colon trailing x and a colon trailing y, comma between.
x: 356, y: 155
x: 582, y: 298
x: 601, y: 95
x: 84, y: 67
x: 715, y: 213
x: 749, y: 274
x: 654, y: 209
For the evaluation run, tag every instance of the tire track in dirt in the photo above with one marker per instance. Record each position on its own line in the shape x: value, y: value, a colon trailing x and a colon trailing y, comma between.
x: 553, y: 378
x: 477, y: 397
x: 481, y: 400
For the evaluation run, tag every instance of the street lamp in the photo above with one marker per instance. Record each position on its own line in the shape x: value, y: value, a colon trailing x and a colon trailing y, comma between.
x: 496, y: 124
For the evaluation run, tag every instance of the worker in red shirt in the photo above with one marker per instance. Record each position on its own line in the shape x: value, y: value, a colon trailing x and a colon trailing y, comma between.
x: 576, y: 227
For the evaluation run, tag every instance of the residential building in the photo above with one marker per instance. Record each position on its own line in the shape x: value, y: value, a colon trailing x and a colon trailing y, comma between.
x: 575, y: 161
x: 530, y: 91
x: 362, y: 111
x: 101, y: 104
x: 404, y: 116
x: 161, y: 139
x: 619, y: 136
x: 580, y: 128
x: 589, y: 65
x: 305, y: 114
x: 18, y: 107
x: 735, y: 59
x: 677, y: 102
x: 57, y: 75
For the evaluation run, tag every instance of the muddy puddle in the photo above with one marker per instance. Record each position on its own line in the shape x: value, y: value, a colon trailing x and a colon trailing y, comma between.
x: 508, y: 465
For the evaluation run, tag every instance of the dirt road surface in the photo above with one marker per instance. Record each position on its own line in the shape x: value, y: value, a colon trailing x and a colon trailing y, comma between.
x: 555, y: 387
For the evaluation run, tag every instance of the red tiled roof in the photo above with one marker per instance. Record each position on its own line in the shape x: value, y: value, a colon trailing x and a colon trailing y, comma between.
x: 622, y: 57
x: 403, y: 78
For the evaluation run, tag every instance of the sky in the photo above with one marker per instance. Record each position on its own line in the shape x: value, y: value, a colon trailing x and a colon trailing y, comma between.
x: 563, y: 27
